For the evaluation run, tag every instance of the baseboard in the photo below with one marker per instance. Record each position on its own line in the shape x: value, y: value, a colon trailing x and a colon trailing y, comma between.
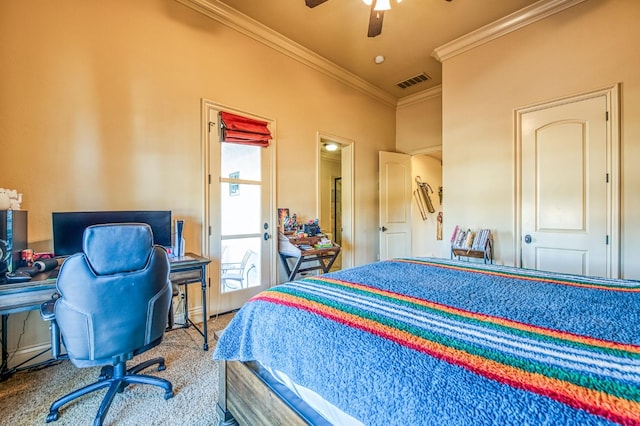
x: 28, y: 356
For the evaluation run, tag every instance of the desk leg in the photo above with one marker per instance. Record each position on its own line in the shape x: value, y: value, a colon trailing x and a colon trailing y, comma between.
x: 204, y: 308
x: 285, y: 262
x: 186, y: 305
x: 330, y: 264
x: 5, y: 352
x: 187, y: 321
x: 294, y: 271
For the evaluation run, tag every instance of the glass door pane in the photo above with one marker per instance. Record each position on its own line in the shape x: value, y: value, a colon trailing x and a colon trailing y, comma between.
x: 240, y: 235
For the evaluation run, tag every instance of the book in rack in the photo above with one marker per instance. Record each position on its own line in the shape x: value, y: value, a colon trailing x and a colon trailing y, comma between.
x: 475, y: 244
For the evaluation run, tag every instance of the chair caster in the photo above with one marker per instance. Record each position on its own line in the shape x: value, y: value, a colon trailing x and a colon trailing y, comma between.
x: 106, y: 372
x: 161, y: 367
x: 168, y: 394
x: 53, y: 416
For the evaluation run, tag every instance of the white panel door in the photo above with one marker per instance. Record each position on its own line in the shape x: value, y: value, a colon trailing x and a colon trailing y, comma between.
x: 395, y: 204
x: 564, y: 188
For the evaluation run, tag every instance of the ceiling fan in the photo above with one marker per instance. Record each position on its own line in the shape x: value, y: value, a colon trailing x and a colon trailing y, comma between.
x: 375, y: 17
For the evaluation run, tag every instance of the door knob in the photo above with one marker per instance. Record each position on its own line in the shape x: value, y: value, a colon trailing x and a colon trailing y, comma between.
x: 528, y: 239
x: 266, y: 236
x: 383, y: 229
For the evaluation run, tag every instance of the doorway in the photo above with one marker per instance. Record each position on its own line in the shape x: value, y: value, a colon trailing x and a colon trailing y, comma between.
x: 568, y: 215
x: 335, y: 194
x: 239, y: 213
x: 336, y: 210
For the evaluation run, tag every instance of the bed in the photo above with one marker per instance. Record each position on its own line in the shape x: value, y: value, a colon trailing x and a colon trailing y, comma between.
x: 434, y: 341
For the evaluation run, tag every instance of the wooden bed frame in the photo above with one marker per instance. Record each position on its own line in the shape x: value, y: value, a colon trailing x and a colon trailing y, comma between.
x: 246, y: 396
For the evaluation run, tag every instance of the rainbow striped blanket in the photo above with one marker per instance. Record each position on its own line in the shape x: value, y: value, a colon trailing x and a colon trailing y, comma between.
x: 432, y: 341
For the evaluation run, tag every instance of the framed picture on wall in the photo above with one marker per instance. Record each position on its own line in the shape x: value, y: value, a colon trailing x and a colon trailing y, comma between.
x: 234, y: 188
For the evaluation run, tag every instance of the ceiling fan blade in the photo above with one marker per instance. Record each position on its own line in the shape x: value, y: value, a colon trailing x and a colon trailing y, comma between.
x: 314, y: 3
x: 375, y: 21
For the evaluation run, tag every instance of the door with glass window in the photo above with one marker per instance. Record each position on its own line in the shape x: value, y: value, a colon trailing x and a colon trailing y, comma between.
x: 240, y: 216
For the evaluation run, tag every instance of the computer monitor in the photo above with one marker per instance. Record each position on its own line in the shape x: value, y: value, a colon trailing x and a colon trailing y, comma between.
x: 68, y: 227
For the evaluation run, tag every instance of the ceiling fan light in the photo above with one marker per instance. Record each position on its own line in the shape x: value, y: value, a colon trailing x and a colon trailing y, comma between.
x: 382, y: 5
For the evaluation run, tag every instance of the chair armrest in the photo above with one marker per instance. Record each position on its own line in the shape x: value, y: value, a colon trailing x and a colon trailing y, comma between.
x: 48, y: 313
x: 46, y: 310
x: 232, y: 266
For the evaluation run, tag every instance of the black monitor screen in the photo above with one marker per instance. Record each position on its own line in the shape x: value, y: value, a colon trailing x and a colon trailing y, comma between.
x: 68, y: 227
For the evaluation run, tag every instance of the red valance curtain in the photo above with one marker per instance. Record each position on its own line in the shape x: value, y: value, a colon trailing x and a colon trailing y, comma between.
x: 243, y: 130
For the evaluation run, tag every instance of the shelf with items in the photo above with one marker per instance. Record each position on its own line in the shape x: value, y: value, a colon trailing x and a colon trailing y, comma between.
x: 304, y: 250
x: 472, y: 244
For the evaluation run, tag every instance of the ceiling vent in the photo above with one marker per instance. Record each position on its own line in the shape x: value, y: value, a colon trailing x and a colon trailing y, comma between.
x: 420, y: 78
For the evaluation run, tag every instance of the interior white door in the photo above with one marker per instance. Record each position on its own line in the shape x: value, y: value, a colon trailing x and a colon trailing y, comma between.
x: 240, y: 206
x: 395, y: 204
x: 564, y: 188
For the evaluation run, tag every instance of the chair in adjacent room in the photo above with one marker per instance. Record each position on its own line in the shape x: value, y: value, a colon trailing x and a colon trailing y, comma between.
x: 113, y: 305
x: 238, y: 271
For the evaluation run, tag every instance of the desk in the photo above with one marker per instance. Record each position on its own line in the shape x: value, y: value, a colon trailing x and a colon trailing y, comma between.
x: 20, y: 297
x: 186, y: 270
x: 288, y: 248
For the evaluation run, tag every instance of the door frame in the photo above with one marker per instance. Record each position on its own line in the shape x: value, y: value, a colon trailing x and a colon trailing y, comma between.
x: 215, y: 257
x: 612, y: 96
x: 347, y: 174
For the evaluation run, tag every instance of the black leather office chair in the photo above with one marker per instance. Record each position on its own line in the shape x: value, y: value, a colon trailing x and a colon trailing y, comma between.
x: 113, y: 305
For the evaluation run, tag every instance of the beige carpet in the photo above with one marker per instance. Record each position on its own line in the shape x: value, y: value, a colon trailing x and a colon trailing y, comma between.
x: 26, y: 396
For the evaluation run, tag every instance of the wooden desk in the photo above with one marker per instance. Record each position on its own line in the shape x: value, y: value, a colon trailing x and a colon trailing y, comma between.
x: 289, y: 248
x: 20, y: 297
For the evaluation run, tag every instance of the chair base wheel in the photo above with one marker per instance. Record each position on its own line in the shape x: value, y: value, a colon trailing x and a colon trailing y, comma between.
x: 53, y: 416
x: 168, y: 394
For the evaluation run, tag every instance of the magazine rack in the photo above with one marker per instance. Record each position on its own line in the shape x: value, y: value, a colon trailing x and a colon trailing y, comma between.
x: 470, y: 250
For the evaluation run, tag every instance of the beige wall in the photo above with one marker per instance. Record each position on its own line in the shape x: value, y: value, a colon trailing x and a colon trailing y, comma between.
x: 419, y: 122
x: 586, y: 47
x: 100, y: 109
x: 424, y: 232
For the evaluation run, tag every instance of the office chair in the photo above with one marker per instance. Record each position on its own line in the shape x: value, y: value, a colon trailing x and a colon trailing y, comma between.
x: 113, y: 305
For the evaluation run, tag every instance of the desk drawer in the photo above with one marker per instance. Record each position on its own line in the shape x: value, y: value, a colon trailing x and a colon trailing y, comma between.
x: 192, y: 275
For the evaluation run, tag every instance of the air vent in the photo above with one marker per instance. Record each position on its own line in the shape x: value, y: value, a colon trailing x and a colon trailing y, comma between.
x: 420, y: 78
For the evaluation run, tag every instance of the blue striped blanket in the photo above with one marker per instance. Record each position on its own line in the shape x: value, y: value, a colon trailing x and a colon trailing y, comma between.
x: 433, y: 341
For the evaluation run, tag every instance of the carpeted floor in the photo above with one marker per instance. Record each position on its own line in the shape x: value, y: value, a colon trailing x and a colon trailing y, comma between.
x: 26, y: 396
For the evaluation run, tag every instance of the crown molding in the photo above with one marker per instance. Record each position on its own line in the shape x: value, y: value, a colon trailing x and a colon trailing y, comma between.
x: 503, y: 26
x: 430, y: 93
x: 433, y: 151
x: 242, y: 23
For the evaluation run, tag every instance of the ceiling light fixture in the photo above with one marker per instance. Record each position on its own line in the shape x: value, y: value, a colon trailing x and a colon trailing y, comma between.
x: 380, y: 4
x: 330, y: 146
x: 378, y: 59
